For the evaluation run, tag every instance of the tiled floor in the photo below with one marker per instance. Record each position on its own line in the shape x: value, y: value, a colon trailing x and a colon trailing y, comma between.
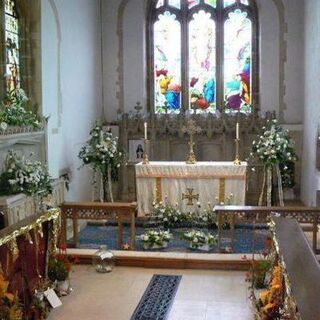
x: 202, y: 295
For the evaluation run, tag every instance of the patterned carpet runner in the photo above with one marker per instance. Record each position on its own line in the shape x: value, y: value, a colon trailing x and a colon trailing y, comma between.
x: 156, y: 301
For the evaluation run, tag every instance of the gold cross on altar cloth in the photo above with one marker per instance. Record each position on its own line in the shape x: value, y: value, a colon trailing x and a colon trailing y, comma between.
x: 190, y: 196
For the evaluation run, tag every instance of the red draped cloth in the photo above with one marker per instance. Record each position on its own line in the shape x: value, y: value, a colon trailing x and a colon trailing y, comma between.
x: 26, y: 269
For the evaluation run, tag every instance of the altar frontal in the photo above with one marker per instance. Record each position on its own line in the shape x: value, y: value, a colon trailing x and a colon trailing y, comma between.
x: 189, y: 185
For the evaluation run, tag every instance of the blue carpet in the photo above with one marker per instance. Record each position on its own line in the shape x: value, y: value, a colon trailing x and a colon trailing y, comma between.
x: 94, y: 236
x: 157, y: 299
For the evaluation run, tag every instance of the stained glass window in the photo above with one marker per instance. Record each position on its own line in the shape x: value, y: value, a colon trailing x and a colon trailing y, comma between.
x: 237, y: 61
x: 175, y: 3
x: 202, y: 61
x: 192, y: 3
x: 160, y: 3
x: 212, y: 3
x: 230, y: 2
x: 167, y: 61
x: 203, y: 56
x: 12, y: 45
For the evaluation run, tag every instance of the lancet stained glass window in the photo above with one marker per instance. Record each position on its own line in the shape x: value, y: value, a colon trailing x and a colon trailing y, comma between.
x: 12, y: 45
x: 204, y: 56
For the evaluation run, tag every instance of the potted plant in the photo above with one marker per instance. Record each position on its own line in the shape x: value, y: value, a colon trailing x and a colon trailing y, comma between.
x: 58, y: 272
x: 199, y: 240
x: 153, y: 239
x: 103, y: 154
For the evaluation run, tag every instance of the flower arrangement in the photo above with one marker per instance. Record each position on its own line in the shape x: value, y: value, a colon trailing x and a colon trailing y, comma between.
x: 273, y: 148
x: 10, y: 308
x: 270, y: 301
x: 170, y: 215
x: 24, y: 176
x: 16, y: 111
x: 257, y: 276
x: 153, y: 239
x: 227, y: 201
x: 199, y: 240
x: 102, y: 153
x: 274, y: 145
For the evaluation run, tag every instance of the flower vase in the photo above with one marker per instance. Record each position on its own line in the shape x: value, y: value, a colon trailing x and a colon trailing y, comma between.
x: 63, y: 287
x: 154, y: 246
x: 205, y: 247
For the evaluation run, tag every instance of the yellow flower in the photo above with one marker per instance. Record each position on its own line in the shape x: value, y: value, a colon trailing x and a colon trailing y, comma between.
x: 268, y: 307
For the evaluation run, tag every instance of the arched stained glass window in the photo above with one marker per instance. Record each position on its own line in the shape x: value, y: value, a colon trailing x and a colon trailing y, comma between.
x: 12, y: 45
x: 203, y: 55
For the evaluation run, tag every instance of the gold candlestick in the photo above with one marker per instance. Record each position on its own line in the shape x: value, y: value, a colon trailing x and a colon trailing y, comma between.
x: 237, y: 161
x: 191, y: 128
x: 145, y: 154
x: 191, y: 159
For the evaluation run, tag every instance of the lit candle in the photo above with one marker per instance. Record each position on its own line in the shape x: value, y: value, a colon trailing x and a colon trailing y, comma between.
x: 145, y: 130
x: 237, y: 131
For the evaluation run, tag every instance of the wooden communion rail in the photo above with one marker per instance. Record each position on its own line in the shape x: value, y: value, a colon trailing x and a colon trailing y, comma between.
x: 120, y: 211
x: 255, y: 214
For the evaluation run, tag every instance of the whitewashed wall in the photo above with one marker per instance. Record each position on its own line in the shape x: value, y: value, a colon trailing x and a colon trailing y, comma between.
x: 311, y: 81
x: 71, y: 84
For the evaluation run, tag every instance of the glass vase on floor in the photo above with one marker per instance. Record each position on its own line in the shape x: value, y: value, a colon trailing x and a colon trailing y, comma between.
x: 103, y: 260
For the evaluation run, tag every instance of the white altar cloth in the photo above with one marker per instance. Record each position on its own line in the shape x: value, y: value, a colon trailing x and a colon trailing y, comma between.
x: 160, y: 180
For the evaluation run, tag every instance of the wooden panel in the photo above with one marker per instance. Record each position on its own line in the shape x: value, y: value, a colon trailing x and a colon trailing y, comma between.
x: 301, y: 265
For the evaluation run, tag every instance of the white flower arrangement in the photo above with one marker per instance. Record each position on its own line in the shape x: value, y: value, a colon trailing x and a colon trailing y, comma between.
x: 103, y: 154
x: 228, y: 200
x: 274, y: 146
x: 153, y: 239
x: 168, y: 214
x: 199, y: 239
x: 208, y: 215
x: 101, y: 150
x: 15, y: 111
x: 24, y: 176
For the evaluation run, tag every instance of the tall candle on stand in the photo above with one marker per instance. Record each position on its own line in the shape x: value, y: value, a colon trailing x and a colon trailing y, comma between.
x: 145, y: 130
x: 237, y: 131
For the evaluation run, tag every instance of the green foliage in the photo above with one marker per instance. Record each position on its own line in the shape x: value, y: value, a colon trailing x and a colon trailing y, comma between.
x: 24, y: 176
x: 15, y: 110
x: 57, y: 270
x: 287, y: 174
x: 259, y: 271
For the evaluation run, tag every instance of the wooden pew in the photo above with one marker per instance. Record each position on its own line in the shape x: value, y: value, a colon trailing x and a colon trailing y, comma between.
x: 121, y: 211
x: 257, y: 214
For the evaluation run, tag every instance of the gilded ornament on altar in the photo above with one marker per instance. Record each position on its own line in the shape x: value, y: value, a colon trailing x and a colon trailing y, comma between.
x: 190, y: 196
x: 191, y: 128
x: 237, y: 161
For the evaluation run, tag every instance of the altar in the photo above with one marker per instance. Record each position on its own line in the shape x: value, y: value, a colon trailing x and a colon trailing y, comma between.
x: 189, y: 185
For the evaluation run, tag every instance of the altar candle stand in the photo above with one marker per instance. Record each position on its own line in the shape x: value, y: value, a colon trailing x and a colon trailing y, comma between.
x: 237, y: 140
x: 146, y: 142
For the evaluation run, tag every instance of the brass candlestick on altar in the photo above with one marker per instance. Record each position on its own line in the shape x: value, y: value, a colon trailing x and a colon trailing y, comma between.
x: 191, y: 128
x: 146, y: 142
x: 237, y: 140
x: 145, y: 154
